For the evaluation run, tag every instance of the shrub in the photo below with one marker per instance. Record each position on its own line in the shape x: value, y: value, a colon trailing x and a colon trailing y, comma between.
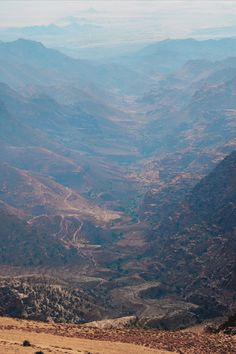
x: 26, y: 343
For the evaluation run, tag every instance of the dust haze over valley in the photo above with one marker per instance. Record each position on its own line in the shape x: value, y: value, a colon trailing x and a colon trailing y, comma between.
x: 118, y: 164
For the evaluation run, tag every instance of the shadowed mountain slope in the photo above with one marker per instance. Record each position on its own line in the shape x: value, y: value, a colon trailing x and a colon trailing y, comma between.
x: 23, y: 245
x: 196, y: 245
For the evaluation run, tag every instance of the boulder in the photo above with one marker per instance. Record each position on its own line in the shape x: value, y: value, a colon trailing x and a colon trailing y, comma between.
x: 117, y: 323
x: 11, y: 303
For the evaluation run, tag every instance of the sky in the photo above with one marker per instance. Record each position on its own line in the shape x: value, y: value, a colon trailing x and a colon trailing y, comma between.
x: 142, y: 19
x: 189, y: 13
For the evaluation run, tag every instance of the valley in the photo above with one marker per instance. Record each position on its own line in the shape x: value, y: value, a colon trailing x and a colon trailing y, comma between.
x: 117, y: 183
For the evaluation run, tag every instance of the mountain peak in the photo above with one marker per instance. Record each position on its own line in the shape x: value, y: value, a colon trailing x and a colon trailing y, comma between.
x: 26, y: 43
x: 22, y: 44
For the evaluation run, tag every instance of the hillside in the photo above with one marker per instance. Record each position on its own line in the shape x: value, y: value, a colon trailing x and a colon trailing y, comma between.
x: 90, y: 340
x: 194, y: 246
x: 21, y: 244
x: 53, y: 67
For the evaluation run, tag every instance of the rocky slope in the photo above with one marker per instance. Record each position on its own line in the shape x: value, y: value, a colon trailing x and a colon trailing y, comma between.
x: 48, y: 299
x: 52, y: 338
x: 24, y: 245
x: 194, y: 246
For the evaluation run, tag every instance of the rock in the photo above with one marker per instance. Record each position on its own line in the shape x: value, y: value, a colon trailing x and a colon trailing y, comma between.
x: 225, y: 324
x: 172, y: 321
x: 10, y: 302
x: 117, y: 323
x: 208, y: 306
x: 38, y: 300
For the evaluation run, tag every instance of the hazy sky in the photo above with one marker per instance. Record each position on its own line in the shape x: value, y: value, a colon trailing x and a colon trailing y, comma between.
x: 209, y: 13
x: 180, y: 17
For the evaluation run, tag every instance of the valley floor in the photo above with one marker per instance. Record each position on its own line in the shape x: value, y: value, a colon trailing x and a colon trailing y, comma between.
x: 70, y: 339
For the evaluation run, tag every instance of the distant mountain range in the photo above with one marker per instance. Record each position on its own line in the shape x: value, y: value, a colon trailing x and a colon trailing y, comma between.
x: 169, y: 55
x: 55, y: 68
x: 84, y: 36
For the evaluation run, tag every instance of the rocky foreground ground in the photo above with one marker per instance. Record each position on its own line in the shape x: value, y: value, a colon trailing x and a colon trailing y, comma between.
x: 69, y: 339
